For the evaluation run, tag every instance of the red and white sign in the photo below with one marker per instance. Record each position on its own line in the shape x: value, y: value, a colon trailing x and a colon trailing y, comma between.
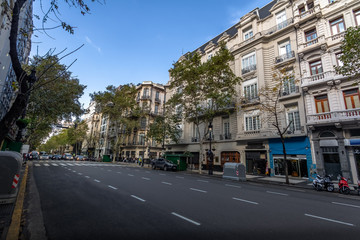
x: 16, y: 181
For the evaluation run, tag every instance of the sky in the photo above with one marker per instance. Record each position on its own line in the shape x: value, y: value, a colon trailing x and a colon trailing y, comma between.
x: 131, y: 41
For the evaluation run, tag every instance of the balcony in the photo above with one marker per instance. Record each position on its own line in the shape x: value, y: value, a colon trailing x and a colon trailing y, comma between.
x: 248, y: 69
x: 145, y: 97
x: 334, y: 117
x: 225, y: 136
x: 312, y: 44
x: 290, y: 92
x: 318, y: 78
x: 194, y: 139
x: 250, y: 101
x: 278, y: 27
x: 300, y: 18
x: 157, y: 100
x: 284, y: 59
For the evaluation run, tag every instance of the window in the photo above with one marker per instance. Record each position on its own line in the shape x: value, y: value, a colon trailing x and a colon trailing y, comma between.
x: 143, y: 123
x: 141, y: 139
x: 310, y: 5
x: 146, y: 92
x: 226, y: 128
x: 281, y: 20
x: 156, y: 110
x: 357, y: 17
x: 322, y: 104
x: 252, y: 123
x: 352, y: 98
x: 289, y: 86
x: 337, y: 26
x: 209, y: 56
x: 248, y: 34
x: 248, y: 63
x: 250, y: 89
x: 302, y: 10
x: 311, y: 37
x: 316, y: 67
x: 294, y: 121
x: 157, y: 95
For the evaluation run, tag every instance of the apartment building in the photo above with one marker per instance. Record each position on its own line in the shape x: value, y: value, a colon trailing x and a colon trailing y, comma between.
x: 331, y: 100
x: 7, y: 76
x: 263, y: 40
x: 90, y: 145
x: 134, y: 143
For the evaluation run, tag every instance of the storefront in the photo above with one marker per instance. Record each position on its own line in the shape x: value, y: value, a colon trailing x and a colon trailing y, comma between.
x: 229, y: 157
x: 256, y: 162
x: 298, y: 157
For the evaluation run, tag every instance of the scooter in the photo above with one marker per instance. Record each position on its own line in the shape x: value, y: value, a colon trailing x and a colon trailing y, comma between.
x: 320, y: 183
x: 343, y: 185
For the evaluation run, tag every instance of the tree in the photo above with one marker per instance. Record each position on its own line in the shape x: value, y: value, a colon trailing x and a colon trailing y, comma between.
x: 202, y: 89
x: 44, y: 109
x: 119, y: 105
x: 350, y: 56
x: 272, y: 111
x: 26, y: 80
x: 77, y: 134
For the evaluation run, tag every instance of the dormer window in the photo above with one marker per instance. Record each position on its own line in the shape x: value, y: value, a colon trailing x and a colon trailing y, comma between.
x: 248, y: 34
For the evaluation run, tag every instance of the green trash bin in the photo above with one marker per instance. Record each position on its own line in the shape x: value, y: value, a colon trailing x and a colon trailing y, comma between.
x: 179, y: 160
x: 106, y: 158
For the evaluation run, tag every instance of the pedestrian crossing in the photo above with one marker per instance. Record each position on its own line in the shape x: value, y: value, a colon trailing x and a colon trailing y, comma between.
x: 55, y: 163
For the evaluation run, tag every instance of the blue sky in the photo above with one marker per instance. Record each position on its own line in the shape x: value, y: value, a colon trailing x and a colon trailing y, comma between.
x: 131, y: 41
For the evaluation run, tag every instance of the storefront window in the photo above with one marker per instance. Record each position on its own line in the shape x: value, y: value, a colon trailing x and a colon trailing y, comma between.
x: 331, y: 161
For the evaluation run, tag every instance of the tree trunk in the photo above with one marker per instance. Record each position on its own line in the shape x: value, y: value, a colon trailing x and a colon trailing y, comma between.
x: 286, y: 165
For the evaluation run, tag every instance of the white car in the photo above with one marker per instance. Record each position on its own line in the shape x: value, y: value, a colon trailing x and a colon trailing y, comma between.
x: 44, y: 157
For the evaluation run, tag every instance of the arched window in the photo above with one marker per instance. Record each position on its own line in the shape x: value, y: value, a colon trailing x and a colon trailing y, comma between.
x: 326, y: 134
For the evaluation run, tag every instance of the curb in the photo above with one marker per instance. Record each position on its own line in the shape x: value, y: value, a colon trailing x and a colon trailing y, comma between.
x: 14, y: 229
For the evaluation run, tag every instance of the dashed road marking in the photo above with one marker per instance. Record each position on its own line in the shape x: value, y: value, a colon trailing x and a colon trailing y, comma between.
x: 140, y: 199
x: 112, y: 187
x: 277, y: 193
x: 167, y: 183
x: 198, y: 190
x: 243, y: 200
x: 96, y: 180
x: 186, y: 219
x: 329, y: 220
x: 345, y: 204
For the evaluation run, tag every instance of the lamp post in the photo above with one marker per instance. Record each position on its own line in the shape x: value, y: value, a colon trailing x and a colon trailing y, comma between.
x: 210, y: 153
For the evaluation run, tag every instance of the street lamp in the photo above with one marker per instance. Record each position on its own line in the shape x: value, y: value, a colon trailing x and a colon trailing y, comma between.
x: 210, y: 153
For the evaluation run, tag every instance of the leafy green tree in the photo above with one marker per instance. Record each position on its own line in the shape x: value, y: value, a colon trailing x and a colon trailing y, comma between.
x: 201, y: 90
x: 120, y: 106
x: 350, y: 56
x: 26, y: 80
x: 77, y: 134
x: 44, y: 109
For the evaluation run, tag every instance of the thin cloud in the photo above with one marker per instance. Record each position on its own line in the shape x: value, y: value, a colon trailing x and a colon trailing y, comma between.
x: 88, y: 40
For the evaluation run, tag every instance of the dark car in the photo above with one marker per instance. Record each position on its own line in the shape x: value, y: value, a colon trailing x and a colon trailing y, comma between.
x: 163, y: 164
x: 56, y: 157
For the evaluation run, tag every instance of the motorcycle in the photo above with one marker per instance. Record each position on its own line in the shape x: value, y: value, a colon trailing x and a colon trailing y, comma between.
x: 320, y: 183
x: 343, y: 185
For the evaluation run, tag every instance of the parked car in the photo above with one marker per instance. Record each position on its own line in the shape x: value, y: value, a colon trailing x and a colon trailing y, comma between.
x: 44, y: 157
x: 163, y: 164
x: 80, y: 158
x: 33, y: 155
x: 56, y: 157
x: 67, y: 156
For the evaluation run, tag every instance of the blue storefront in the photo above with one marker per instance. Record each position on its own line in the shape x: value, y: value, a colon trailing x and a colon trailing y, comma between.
x: 298, y: 155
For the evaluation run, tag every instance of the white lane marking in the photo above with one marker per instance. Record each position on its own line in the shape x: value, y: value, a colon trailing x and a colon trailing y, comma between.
x: 179, y: 177
x: 167, y: 183
x: 130, y: 175
x: 46, y: 165
x: 277, y: 193
x: 186, y: 219
x: 243, y: 200
x: 328, y: 219
x: 137, y: 170
x: 96, y: 180
x: 80, y: 173
x: 37, y: 165
x: 62, y: 164
x: 112, y: 187
x: 198, y: 190
x: 109, y: 170
x: 145, y: 178
x: 147, y: 171
x: 54, y: 164
x: 296, y: 190
x: 73, y: 171
x: 345, y: 204
x: 70, y: 164
x: 205, y: 181
x: 162, y: 174
x: 119, y: 172
x: 87, y: 176
x: 140, y: 199
x: 229, y: 185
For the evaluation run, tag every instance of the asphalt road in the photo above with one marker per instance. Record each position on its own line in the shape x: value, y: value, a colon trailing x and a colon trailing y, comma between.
x: 90, y: 200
